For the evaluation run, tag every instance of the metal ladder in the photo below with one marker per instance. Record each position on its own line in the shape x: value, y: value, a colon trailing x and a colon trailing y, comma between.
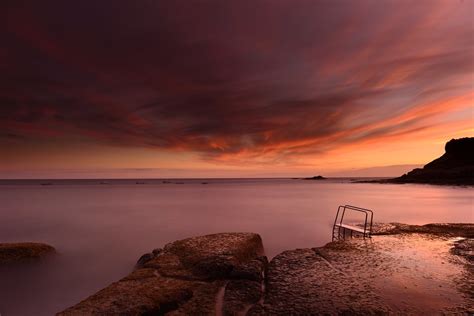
x: 339, y: 229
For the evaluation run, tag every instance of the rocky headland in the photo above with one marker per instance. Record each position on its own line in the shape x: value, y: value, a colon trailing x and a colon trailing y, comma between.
x: 403, y: 269
x: 455, y: 166
x: 23, y: 251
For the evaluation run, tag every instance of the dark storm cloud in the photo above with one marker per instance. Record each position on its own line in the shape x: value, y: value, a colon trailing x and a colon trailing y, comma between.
x: 228, y: 77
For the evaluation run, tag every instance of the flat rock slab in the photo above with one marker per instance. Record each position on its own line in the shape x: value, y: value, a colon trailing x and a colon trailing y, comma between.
x: 401, y: 274
x: 444, y: 229
x: 23, y: 251
x: 188, y: 276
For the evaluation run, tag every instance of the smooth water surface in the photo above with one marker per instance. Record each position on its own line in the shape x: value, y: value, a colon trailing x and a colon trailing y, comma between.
x: 101, y: 230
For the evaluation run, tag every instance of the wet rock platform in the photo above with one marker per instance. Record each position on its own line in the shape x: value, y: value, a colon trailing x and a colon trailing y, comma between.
x: 413, y: 274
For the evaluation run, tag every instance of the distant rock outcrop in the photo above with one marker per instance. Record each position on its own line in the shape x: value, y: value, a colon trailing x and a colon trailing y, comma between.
x: 315, y: 178
x: 23, y: 251
x: 456, y: 166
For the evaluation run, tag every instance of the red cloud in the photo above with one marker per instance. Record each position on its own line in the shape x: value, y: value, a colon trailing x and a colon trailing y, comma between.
x: 232, y: 80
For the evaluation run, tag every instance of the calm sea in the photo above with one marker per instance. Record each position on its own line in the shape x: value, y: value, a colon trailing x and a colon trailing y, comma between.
x: 101, y: 227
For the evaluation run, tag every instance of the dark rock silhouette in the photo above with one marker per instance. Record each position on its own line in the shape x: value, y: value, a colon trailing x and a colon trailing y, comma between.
x: 456, y: 166
x: 315, y: 178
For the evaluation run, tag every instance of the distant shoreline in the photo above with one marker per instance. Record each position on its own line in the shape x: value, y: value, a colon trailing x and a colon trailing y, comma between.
x: 193, y: 181
x: 433, y: 182
x: 180, y: 179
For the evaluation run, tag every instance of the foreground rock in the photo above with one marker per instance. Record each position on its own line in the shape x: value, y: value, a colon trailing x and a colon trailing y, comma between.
x: 23, y: 251
x: 408, y: 274
x: 404, y: 270
x: 201, y: 275
x: 456, y: 166
x: 465, y: 248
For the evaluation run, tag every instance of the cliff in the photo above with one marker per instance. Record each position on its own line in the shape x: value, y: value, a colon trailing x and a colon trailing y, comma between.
x: 456, y: 166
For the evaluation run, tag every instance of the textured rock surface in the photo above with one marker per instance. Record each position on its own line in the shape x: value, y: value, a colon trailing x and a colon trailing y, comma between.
x: 398, y: 274
x: 241, y: 295
x: 465, y: 248
x: 446, y: 229
x: 23, y: 251
x: 188, y: 276
x: 302, y: 282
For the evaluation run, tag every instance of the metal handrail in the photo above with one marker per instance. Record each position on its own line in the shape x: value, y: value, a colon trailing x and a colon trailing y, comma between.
x: 335, y: 220
x: 357, y: 209
x: 364, y: 210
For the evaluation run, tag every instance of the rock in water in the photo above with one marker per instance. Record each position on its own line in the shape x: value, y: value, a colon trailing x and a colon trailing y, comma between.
x: 23, y: 251
x: 188, y: 276
x: 315, y: 178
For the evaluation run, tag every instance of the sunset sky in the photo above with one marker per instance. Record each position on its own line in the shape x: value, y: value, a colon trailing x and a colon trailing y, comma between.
x: 186, y: 88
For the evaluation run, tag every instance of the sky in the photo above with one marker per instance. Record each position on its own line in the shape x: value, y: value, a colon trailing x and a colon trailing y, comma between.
x: 187, y: 88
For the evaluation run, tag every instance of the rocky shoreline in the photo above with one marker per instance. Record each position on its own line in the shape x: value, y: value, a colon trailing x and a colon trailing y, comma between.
x: 228, y: 274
